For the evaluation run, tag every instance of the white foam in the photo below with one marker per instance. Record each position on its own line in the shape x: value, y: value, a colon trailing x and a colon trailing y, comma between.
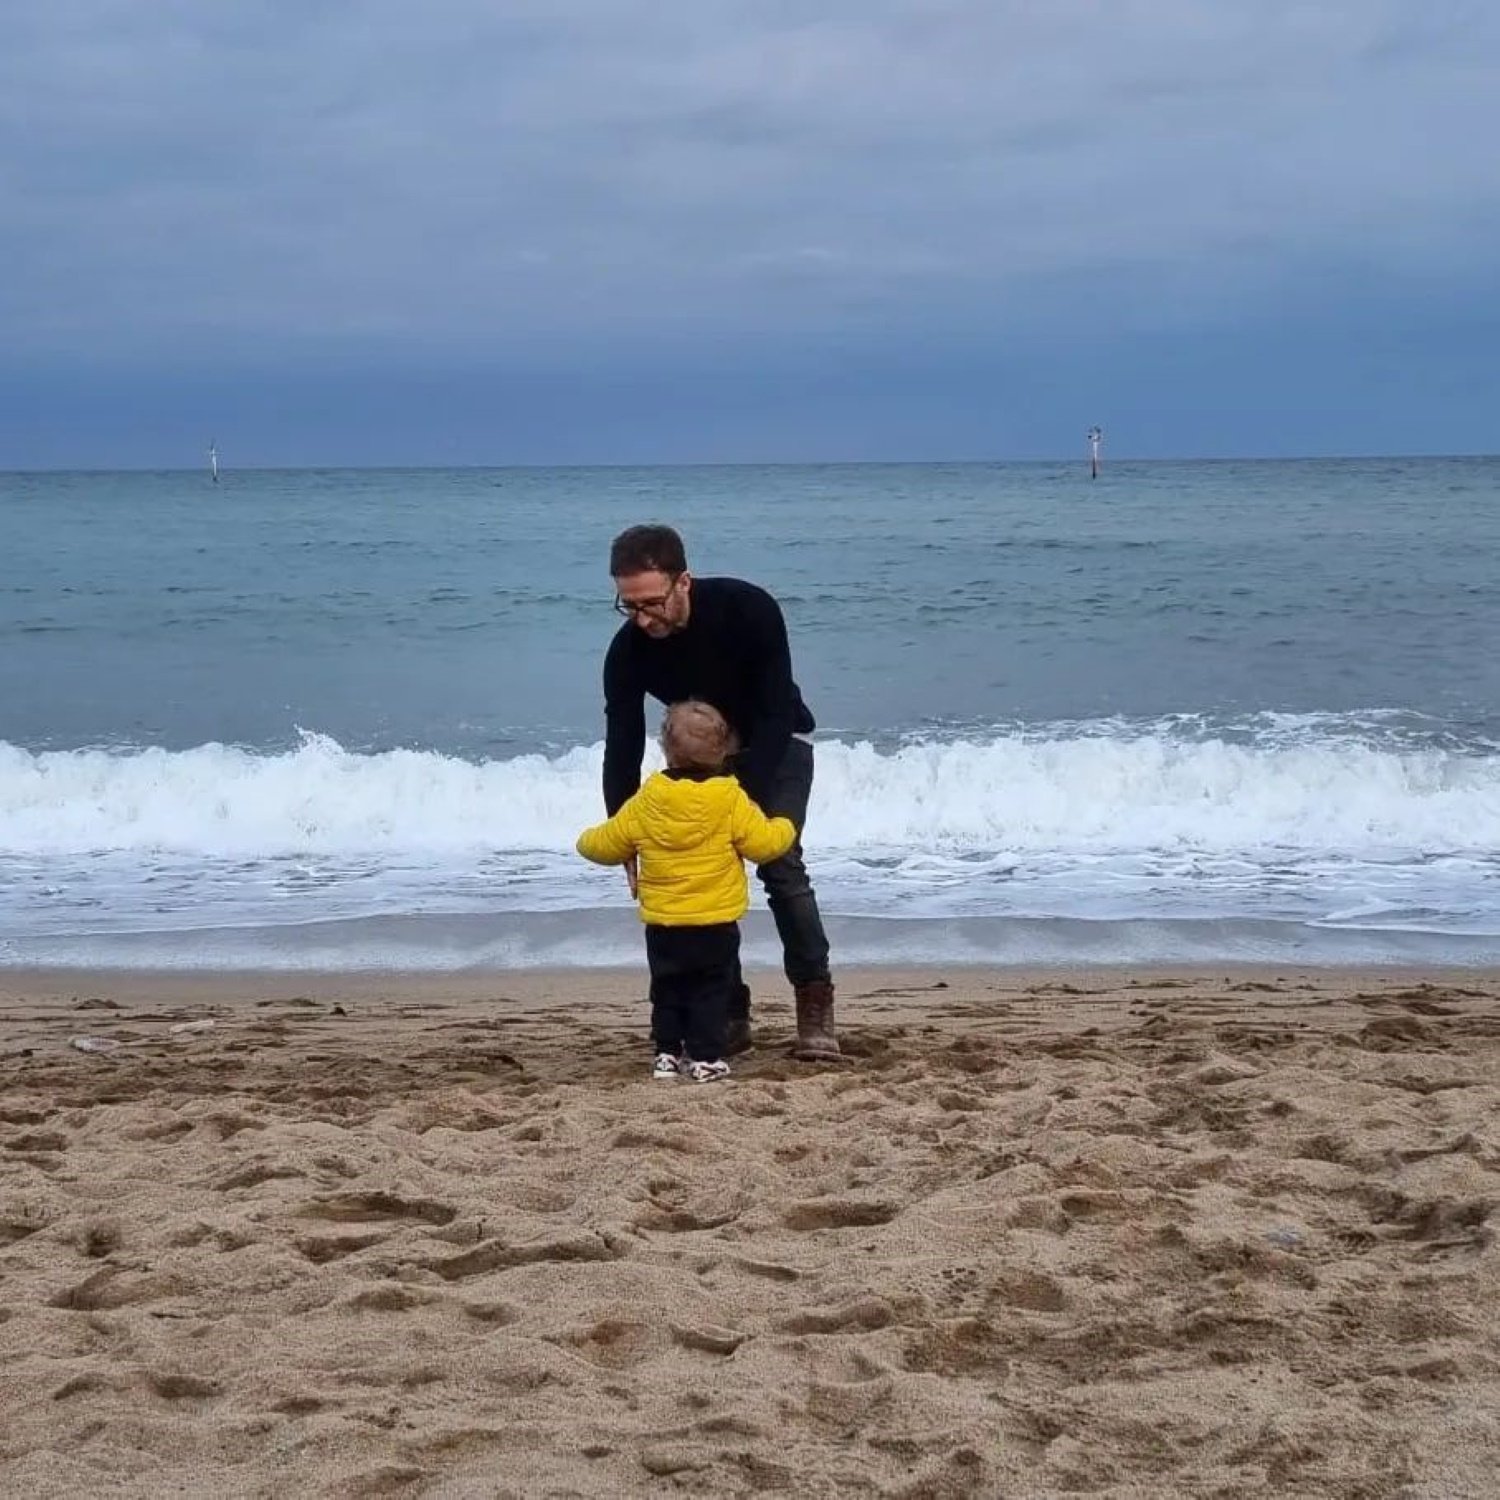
x: 317, y: 799
x: 1086, y: 792
x: 1312, y: 821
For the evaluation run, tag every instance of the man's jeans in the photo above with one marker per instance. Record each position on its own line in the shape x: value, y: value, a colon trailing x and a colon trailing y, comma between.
x: 789, y: 892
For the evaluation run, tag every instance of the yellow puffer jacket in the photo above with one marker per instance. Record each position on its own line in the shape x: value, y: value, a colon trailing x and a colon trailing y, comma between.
x: 693, y: 836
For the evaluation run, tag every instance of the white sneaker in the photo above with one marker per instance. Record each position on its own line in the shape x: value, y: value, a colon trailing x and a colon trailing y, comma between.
x: 705, y: 1072
x: 667, y: 1066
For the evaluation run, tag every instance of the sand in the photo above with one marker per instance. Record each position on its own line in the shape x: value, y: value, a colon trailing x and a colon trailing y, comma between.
x: 1130, y: 1234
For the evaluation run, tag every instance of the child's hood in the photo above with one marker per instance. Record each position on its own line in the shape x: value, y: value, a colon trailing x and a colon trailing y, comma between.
x: 680, y: 812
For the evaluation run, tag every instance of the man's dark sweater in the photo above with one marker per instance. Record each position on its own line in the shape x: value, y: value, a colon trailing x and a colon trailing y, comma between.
x: 732, y: 653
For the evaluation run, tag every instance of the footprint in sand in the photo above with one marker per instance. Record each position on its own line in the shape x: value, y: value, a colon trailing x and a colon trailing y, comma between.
x: 957, y: 1102
x: 176, y: 1386
x: 838, y: 1213
x: 390, y: 1299
x: 707, y: 1339
x: 226, y: 1124
x: 159, y: 1130
x: 350, y: 1208
x: 1434, y: 1224
x: 614, y: 1343
x: 495, y: 1314
x: 848, y: 1404
x: 37, y: 1141
x: 99, y: 1238
x: 497, y: 1256
x: 298, y: 1406
x: 89, y: 1384
x: 387, y: 1479
x: 769, y: 1270
x: 321, y: 1249
x: 661, y: 1218
x: 1030, y: 1291
x: 956, y: 1347
x: 110, y: 1288
x: 256, y: 1171
x: 862, y: 1315
x: 1399, y: 1034
x: 21, y: 1223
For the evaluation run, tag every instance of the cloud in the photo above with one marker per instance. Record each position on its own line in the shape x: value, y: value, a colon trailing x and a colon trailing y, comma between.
x: 469, y: 173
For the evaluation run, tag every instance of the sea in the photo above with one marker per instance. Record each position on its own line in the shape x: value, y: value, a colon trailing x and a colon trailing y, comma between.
x: 1183, y: 712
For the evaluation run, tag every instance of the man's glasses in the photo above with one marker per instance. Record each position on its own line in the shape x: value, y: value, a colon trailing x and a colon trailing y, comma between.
x: 630, y: 608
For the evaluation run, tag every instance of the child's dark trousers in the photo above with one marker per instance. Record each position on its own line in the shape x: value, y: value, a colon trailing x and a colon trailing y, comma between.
x: 694, y: 971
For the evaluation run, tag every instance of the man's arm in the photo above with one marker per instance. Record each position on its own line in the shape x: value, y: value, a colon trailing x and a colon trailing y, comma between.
x: 624, y: 727
x: 775, y: 712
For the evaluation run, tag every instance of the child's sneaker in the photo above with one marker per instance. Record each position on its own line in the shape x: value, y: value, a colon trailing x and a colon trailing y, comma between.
x: 706, y: 1072
x: 666, y: 1066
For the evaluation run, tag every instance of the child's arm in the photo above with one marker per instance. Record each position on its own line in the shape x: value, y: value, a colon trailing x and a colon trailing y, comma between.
x: 758, y: 838
x: 611, y: 843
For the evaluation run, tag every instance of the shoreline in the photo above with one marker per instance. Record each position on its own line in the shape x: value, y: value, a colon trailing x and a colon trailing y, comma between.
x: 611, y: 983
x: 606, y: 939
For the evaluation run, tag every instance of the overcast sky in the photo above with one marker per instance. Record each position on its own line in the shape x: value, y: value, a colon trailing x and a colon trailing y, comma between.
x: 495, y: 231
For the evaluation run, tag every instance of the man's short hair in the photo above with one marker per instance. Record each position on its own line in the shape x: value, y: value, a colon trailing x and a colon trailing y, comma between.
x: 647, y: 549
x: 696, y: 737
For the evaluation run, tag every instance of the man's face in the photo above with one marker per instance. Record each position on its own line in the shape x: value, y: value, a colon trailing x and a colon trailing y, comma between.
x: 656, y: 602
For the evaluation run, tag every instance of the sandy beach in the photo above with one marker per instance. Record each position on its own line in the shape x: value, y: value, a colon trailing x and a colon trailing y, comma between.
x: 1136, y: 1233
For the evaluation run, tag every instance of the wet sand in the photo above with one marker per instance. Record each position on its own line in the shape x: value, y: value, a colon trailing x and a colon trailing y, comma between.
x: 1135, y: 1233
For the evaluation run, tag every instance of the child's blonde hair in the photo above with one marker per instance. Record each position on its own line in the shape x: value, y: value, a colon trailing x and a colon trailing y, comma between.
x: 696, y: 737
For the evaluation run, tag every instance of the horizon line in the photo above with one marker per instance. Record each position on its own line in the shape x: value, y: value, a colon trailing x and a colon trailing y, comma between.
x: 1080, y: 459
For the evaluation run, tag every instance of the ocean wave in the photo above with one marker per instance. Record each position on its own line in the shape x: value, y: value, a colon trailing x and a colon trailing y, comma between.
x: 1305, y: 786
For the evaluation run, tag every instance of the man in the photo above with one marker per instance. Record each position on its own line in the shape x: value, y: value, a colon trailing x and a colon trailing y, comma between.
x: 724, y: 641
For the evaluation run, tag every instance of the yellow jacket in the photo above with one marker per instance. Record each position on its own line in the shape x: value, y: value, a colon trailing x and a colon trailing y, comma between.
x: 693, y: 836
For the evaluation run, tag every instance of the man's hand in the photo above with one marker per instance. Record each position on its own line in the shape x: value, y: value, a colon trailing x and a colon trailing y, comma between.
x: 633, y: 876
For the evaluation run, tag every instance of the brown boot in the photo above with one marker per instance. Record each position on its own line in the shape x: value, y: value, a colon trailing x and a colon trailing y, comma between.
x: 816, y: 1041
x: 738, y: 1038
